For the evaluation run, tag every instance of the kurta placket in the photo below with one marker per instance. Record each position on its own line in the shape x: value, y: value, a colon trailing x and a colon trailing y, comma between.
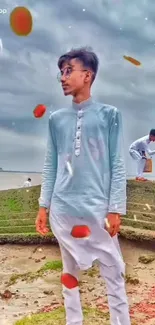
x: 78, y: 133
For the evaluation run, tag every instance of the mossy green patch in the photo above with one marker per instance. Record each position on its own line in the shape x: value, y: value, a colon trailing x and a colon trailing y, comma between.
x: 52, y: 266
x: 57, y: 317
x: 19, y: 200
x: 30, y: 276
x: 14, y: 204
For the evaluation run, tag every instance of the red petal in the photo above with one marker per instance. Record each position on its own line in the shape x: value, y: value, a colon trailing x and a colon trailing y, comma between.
x: 80, y: 231
x: 21, y: 21
x: 132, y: 60
x: 69, y: 281
x: 39, y: 110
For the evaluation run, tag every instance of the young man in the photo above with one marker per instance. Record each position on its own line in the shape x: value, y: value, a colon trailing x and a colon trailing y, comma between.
x: 138, y: 150
x: 84, y: 183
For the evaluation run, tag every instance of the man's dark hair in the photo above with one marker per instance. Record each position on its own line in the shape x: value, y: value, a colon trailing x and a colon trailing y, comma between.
x: 85, y: 55
x: 29, y: 179
x: 152, y: 132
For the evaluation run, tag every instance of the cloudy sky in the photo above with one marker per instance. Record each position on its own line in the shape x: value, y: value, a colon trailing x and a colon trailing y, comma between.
x: 28, y: 70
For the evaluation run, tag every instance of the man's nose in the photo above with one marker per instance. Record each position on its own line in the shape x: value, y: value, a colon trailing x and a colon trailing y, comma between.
x: 63, y: 77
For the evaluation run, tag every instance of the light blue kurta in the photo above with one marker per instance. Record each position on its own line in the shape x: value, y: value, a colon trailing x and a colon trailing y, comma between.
x: 89, y: 136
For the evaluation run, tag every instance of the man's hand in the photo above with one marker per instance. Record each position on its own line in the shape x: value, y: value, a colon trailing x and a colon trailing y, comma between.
x: 113, y: 222
x: 41, y: 221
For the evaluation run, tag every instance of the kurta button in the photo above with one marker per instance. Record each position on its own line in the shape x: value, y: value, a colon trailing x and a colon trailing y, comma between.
x: 78, y: 133
x: 78, y: 144
x: 77, y: 152
x: 80, y: 114
x: 79, y: 124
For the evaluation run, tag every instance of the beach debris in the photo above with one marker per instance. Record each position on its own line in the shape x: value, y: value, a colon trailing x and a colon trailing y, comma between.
x: 135, y: 217
x: 146, y: 259
x: 132, y: 60
x: 54, y: 305
x: 148, y: 206
x: 131, y: 279
x: 7, y: 294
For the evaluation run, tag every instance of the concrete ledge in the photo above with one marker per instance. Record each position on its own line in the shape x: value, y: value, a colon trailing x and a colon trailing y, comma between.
x: 137, y: 234
x: 127, y: 232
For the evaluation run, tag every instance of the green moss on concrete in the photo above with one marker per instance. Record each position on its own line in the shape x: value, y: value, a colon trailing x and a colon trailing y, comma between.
x: 17, y: 222
x: 27, y: 238
x: 140, y: 224
x: 141, y: 192
x: 137, y: 234
x: 17, y: 229
x: 18, y: 211
x: 16, y: 215
x: 19, y: 200
x: 140, y: 216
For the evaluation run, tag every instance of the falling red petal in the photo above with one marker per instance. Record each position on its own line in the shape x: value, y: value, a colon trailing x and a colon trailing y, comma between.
x: 21, y: 21
x: 132, y: 60
x: 80, y: 231
x: 39, y: 110
x: 69, y: 281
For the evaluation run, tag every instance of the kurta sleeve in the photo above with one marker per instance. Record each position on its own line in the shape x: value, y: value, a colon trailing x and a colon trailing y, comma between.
x: 117, y: 200
x: 50, y: 168
x: 149, y: 152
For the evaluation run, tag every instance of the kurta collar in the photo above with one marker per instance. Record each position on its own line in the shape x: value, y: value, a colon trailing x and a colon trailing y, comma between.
x: 82, y: 105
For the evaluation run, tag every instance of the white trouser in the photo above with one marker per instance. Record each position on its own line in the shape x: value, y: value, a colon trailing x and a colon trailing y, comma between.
x: 140, y: 167
x: 140, y: 161
x: 117, y: 298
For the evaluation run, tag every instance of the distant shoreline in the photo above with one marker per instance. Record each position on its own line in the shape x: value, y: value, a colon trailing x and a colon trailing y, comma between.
x: 19, y: 172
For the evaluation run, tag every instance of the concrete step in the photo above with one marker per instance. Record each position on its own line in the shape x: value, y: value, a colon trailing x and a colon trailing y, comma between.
x: 132, y: 233
x: 138, y: 224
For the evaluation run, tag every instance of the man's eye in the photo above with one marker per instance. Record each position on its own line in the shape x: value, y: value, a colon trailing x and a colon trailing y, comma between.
x: 68, y: 70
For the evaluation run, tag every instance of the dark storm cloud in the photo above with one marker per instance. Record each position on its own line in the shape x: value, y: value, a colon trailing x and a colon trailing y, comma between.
x: 28, y: 70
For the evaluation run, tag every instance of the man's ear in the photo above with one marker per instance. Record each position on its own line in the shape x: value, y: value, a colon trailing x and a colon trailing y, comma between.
x: 88, y: 76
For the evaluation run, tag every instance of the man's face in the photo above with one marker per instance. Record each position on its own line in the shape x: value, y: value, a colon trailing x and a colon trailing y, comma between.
x: 152, y: 138
x: 74, y: 77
